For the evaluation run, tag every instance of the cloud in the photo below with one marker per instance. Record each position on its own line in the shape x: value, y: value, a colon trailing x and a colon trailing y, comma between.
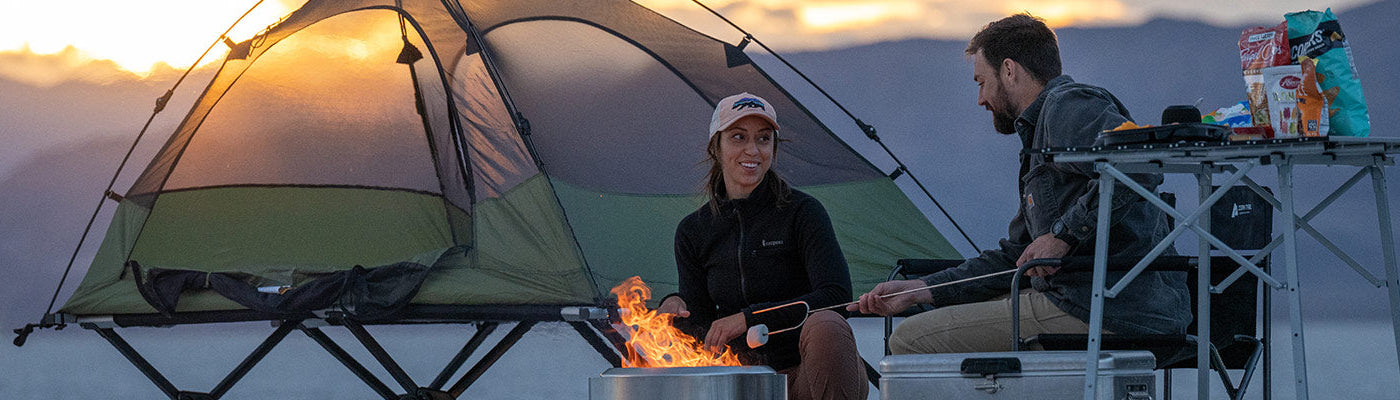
x: 138, y: 35
x: 824, y: 24
x: 46, y: 70
x: 141, y: 35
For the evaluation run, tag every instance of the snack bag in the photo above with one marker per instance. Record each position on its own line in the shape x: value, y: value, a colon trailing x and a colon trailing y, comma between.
x: 1312, y: 103
x: 1281, y: 84
x: 1317, y: 35
x: 1262, y: 47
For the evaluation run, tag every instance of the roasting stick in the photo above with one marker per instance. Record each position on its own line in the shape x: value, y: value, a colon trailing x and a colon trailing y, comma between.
x: 934, y: 286
x: 758, y: 334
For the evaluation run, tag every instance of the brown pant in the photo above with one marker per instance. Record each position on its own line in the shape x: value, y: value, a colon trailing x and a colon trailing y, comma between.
x: 831, y: 366
x: 981, y: 327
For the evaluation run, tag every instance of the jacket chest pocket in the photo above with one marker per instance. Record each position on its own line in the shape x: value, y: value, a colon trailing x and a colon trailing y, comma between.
x: 1046, y: 194
x: 777, y: 258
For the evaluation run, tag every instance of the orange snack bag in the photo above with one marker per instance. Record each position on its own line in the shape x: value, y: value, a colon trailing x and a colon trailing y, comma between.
x: 1312, y: 103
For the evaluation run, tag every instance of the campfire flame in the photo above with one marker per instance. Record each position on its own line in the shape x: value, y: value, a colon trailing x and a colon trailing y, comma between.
x: 653, y: 341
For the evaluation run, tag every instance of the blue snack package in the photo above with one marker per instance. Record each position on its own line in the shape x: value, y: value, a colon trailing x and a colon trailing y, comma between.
x: 1236, y: 116
x: 1319, y: 36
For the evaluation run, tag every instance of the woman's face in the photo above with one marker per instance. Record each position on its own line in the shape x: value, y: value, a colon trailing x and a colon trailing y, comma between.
x: 745, y: 154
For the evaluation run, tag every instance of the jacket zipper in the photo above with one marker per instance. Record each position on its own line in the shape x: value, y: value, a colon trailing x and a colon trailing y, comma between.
x: 743, y: 287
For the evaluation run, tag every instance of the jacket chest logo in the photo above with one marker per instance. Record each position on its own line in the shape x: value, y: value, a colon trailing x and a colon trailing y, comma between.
x: 770, y: 243
x: 1030, y: 201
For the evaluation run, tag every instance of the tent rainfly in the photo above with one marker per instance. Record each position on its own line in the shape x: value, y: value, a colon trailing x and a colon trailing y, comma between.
x: 495, y: 161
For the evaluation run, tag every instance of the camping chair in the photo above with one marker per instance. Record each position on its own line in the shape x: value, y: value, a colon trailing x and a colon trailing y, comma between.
x: 1234, y: 342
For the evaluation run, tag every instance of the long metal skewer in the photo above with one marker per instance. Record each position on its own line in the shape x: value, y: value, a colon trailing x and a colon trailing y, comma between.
x: 757, y: 335
x: 921, y: 288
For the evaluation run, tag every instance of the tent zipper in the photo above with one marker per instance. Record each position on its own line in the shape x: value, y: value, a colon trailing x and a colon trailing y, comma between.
x: 739, y: 249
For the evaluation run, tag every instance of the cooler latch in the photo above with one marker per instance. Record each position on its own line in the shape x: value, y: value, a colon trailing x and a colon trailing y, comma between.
x: 989, y: 368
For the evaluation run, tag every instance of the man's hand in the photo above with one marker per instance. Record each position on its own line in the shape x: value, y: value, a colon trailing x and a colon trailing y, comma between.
x: 872, y: 303
x: 725, y: 329
x: 1045, y: 246
x: 674, y: 305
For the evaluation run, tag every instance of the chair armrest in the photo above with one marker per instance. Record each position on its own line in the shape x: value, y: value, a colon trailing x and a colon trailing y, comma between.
x: 1162, y: 263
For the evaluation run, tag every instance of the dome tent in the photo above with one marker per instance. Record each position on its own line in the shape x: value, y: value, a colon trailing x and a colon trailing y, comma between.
x: 520, y: 157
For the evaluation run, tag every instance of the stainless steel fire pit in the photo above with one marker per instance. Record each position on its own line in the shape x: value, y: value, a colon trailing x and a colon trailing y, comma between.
x: 689, y: 383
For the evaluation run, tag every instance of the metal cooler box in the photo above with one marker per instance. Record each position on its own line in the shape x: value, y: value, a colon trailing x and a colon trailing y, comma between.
x: 1020, y: 375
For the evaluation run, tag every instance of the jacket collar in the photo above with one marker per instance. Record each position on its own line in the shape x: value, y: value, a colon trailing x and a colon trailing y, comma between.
x: 1025, y: 124
x: 760, y: 196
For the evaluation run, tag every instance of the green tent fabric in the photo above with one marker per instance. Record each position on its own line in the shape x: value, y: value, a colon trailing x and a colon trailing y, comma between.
x: 555, y: 145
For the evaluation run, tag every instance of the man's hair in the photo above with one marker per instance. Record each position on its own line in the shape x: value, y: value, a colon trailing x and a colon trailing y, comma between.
x: 1022, y: 38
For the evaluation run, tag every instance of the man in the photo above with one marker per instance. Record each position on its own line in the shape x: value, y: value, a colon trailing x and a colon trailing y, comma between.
x: 1016, y: 64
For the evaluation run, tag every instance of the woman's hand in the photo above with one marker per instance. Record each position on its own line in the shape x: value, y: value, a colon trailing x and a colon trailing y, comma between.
x: 872, y: 303
x: 674, y: 305
x: 725, y: 329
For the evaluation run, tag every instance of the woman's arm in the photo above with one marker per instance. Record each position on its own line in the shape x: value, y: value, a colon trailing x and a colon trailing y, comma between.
x: 691, y: 274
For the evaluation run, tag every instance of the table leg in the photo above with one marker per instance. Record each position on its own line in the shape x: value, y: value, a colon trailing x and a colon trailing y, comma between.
x: 1091, y: 364
x: 1290, y: 264
x: 1392, y: 278
x: 1204, y: 189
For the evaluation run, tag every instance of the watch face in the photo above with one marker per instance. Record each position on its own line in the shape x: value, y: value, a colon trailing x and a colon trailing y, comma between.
x: 1057, y: 228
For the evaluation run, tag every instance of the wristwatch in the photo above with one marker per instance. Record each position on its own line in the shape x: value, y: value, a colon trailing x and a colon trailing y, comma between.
x: 1058, y: 229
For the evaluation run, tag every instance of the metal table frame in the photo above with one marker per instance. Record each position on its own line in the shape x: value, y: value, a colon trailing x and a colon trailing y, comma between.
x: 1236, y: 160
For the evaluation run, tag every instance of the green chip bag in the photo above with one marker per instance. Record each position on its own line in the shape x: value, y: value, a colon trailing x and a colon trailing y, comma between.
x: 1317, y: 35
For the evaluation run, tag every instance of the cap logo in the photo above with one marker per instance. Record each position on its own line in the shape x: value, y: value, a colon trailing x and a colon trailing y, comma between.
x: 748, y: 102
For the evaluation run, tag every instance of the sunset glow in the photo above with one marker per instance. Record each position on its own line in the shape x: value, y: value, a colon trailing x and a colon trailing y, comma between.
x: 48, y: 42
x: 833, y: 16
x: 135, y: 35
x: 1066, y: 13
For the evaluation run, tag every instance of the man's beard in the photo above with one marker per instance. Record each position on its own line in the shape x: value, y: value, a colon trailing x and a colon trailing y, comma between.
x: 1004, y: 122
x: 1002, y: 118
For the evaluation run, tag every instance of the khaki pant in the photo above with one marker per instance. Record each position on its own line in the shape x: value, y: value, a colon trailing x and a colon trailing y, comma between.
x: 981, y: 327
x: 831, y: 366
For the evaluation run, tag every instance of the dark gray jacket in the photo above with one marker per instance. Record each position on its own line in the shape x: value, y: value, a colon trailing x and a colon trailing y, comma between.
x: 1072, y: 114
x: 754, y: 255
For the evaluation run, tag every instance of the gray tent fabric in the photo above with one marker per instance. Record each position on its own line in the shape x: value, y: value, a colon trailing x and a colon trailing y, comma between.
x: 560, y: 141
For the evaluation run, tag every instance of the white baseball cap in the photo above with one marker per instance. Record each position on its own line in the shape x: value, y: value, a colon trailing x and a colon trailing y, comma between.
x: 738, y: 106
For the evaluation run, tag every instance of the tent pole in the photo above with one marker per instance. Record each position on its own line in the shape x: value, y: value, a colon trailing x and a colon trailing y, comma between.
x: 254, y: 357
x: 140, y: 362
x: 350, y: 363
x: 482, y: 331
x: 490, y: 358
x: 379, y: 354
x: 598, y: 345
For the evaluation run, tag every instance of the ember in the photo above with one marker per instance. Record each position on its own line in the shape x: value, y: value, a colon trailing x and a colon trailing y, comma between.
x: 653, y: 341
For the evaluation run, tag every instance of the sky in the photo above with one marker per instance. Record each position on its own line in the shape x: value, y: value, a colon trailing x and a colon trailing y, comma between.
x: 142, y: 37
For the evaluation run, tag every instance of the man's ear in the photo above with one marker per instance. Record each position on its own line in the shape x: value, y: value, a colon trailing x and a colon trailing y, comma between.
x: 1010, y: 71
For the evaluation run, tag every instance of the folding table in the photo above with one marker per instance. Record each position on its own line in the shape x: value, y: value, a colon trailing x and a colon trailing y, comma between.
x: 1235, y: 160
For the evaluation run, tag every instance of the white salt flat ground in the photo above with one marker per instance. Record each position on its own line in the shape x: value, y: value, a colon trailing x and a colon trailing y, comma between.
x: 1347, y: 360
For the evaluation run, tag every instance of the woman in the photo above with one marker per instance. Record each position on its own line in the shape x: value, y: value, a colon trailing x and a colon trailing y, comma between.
x: 756, y: 244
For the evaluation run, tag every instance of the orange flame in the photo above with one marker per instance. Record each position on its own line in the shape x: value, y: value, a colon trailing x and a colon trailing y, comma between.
x: 653, y: 341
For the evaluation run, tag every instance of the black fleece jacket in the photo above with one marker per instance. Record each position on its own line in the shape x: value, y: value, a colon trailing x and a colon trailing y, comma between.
x: 754, y: 255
